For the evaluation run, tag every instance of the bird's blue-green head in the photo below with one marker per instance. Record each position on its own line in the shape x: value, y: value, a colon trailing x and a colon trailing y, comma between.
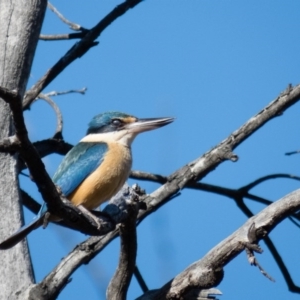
x: 116, y: 121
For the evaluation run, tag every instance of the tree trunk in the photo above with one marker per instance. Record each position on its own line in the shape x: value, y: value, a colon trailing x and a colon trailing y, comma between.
x: 20, y: 24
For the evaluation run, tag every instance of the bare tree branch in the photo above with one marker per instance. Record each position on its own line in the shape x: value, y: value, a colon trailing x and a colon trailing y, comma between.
x: 55, y: 93
x: 63, y: 36
x: 53, y: 145
x: 231, y: 193
x: 180, y: 179
x: 30, y: 203
x: 117, y: 209
x: 72, y: 25
x: 139, y: 278
x: 59, y: 119
x: 292, y: 152
x: 79, y: 49
x: 200, y: 167
x: 57, y: 204
x: 208, y: 271
x: 268, y: 177
x: 118, y: 286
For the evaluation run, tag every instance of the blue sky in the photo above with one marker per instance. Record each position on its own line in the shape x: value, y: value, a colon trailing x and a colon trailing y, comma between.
x: 212, y: 65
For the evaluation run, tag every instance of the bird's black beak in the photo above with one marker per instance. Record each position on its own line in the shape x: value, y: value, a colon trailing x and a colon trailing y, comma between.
x: 141, y: 125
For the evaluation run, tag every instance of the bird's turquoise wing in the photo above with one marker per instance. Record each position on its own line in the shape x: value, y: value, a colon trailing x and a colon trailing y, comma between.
x: 78, y: 164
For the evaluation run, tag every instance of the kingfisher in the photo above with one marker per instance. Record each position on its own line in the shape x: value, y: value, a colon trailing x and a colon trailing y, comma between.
x: 97, y: 167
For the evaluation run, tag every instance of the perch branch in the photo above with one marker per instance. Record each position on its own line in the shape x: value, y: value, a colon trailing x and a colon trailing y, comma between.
x: 117, y: 209
x: 180, y: 179
x: 56, y: 204
x: 118, y: 286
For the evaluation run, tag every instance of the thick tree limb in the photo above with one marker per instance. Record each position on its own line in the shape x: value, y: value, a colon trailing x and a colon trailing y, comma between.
x: 207, y: 272
x: 57, y: 205
x: 79, y: 49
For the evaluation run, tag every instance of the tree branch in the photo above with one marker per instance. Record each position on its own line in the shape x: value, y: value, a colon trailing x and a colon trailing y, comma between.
x: 181, y: 178
x: 118, y: 286
x: 53, y: 145
x: 79, y: 49
x: 63, y: 36
x: 55, y: 93
x: 72, y: 25
x: 208, y: 271
x: 59, y: 119
x: 200, y: 167
x: 57, y: 204
x: 118, y: 210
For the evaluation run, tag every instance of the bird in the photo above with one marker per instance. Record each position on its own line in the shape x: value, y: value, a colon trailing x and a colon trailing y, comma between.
x: 97, y: 167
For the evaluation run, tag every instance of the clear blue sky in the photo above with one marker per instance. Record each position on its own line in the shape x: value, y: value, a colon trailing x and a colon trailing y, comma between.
x: 212, y: 65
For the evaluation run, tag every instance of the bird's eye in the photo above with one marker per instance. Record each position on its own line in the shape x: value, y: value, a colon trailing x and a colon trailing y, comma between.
x: 116, y: 122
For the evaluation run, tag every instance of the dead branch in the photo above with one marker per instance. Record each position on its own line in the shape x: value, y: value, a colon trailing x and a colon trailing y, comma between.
x: 118, y: 286
x: 118, y: 210
x: 57, y: 204
x: 180, y: 179
x: 63, y: 36
x: 55, y: 93
x: 208, y: 271
x: 79, y: 49
x: 59, y: 119
x: 72, y: 25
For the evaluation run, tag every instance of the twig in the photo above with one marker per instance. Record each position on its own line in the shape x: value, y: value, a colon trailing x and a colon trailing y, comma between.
x: 254, y: 262
x: 29, y: 202
x: 72, y: 25
x: 251, y: 247
x: 231, y: 193
x: 140, y: 279
x: 265, y: 178
x: 79, y: 49
x: 55, y: 93
x: 59, y: 119
x: 292, y: 152
x: 60, y: 37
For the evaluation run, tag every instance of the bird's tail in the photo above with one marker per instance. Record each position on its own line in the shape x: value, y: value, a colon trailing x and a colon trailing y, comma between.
x: 21, y: 233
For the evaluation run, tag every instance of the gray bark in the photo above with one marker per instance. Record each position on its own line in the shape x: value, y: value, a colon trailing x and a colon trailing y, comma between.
x: 20, y: 24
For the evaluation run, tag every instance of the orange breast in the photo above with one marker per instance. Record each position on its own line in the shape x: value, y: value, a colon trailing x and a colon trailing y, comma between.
x: 106, y: 180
